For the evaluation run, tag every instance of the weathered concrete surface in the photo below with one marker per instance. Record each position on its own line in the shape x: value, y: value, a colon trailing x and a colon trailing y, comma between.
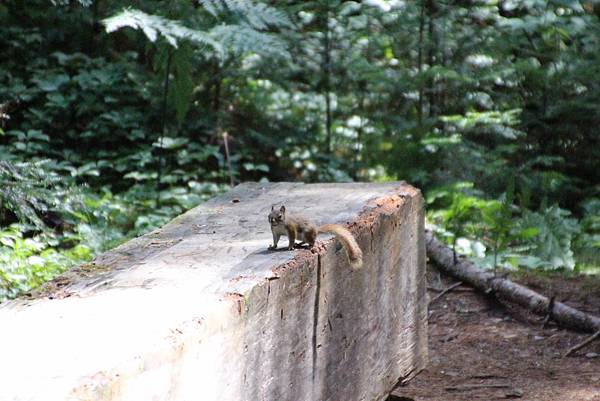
x: 201, y: 310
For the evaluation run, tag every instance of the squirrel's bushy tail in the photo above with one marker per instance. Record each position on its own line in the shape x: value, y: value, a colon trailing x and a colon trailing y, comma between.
x: 355, y: 256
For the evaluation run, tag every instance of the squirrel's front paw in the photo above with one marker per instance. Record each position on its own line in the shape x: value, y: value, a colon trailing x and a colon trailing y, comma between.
x: 291, y: 248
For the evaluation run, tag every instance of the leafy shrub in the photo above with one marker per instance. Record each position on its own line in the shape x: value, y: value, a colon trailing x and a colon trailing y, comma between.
x: 497, y: 232
x: 552, y: 246
x: 25, y: 263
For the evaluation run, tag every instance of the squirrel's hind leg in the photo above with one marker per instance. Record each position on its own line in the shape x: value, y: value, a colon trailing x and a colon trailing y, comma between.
x: 310, y: 237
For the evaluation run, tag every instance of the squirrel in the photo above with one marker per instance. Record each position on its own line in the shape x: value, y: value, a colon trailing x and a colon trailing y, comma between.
x: 302, y: 229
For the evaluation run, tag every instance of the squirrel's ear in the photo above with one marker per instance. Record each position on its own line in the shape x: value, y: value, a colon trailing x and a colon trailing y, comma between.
x: 272, y: 207
x: 282, y: 209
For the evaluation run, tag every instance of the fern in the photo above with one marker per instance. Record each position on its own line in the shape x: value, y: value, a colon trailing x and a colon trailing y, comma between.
x: 240, y: 35
x: 30, y: 189
x: 152, y: 25
x: 262, y: 16
x: 240, y: 39
x: 553, y: 242
x: 245, y: 23
x: 15, y: 193
x: 259, y: 16
x: 84, y: 3
x: 213, y: 7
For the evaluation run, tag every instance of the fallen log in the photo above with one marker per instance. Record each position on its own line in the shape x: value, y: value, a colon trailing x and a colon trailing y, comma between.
x: 505, y: 289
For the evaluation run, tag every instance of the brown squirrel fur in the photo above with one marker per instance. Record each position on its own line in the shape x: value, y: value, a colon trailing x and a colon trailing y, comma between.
x: 303, y: 230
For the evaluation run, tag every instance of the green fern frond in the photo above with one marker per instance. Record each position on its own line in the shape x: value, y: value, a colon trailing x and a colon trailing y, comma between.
x: 211, y: 6
x: 26, y: 189
x: 221, y: 6
x: 152, y: 25
x: 84, y: 3
x: 241, y: 39
x: 259, y: 16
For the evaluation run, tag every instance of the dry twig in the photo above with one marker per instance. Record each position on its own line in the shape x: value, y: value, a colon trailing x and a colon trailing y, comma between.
x: 469, y: 387
x: 582, y: 344
x: 445, y: 291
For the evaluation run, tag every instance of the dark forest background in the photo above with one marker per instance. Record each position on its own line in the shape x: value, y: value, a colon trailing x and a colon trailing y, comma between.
x: 117, y: 116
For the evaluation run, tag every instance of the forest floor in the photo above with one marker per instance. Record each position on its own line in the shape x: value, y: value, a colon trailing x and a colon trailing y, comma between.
x: 481, y: 349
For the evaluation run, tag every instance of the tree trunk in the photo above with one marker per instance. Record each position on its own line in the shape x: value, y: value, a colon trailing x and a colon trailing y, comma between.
x: 505, y: 289
x: 420, y: 63
x: 327, y: 76
x: 163, y: 124
x: 431, y: 59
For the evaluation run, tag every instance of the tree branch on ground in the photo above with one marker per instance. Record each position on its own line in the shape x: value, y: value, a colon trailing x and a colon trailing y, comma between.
x: 505, y: 289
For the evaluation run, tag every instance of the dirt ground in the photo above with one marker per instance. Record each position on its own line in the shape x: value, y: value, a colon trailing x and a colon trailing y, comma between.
x: 481, y: 349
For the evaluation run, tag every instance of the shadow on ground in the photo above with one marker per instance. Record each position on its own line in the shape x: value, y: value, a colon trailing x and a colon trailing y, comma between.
x: 485, y: 350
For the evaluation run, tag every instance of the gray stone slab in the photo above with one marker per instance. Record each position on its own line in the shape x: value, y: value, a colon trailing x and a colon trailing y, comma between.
x: 201, y: 310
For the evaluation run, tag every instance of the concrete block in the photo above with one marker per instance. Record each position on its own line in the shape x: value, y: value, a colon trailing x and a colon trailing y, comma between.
x: 202, y: 310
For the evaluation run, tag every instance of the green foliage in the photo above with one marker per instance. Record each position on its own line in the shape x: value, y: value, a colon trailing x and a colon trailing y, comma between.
x: 32, y: 190
x: 25, y: 263
x: 514, y: 236
x: 497, y: 217
x: 152, y: 25
x: 551, y: 247
x: 259, y: 16
x: 587, y: 244
x: 486, y: 123
x: 31, y: 255
x: 85, y: 3
x: 460, y: 213
x: 105, y: 134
